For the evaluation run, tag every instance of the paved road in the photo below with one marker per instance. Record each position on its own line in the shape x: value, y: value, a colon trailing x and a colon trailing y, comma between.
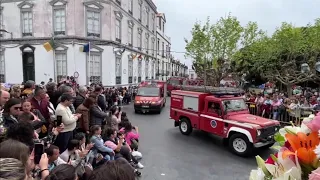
x: 169, y: 155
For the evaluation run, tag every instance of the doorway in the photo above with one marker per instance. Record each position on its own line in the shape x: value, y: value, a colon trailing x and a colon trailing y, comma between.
x: 28, y: 62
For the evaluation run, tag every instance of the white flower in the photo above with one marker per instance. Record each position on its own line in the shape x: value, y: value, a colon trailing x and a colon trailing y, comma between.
x: 285, y: 169
x: 317, y: 151
x: 256, y: 174
x: 294, y: 129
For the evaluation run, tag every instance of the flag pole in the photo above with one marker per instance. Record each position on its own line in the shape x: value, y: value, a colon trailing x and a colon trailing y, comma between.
x: 54, y: 61
x: 89, y: 63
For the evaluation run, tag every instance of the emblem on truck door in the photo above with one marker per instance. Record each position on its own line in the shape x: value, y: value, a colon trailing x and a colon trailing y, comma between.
x: 213, y: 124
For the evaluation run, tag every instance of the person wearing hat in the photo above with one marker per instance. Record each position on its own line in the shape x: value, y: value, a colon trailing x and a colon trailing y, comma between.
x: 68, y: 119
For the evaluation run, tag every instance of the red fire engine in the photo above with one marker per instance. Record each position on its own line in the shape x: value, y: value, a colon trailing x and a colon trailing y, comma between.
x: 174, y: 83
x: 150, y: 97
x: 222, y: 112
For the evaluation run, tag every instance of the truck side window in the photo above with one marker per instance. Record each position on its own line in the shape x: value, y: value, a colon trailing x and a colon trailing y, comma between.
x: 214, y: 107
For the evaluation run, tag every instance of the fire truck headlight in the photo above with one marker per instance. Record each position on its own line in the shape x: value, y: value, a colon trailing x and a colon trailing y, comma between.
x: 138, y: 102
x: 258, y: 132
x: 153, y: 102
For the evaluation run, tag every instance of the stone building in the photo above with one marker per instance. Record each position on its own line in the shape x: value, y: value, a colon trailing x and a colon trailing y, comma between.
x: 122, y: 35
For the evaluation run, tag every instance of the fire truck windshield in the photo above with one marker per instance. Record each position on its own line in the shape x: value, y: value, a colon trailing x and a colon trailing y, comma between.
x: 234, y: 105
x: 148, y: 91
x: 174, y: 82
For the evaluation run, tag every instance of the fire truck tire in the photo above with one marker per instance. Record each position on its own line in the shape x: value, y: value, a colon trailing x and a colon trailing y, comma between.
x: 185, y: 126
x: 240, y: 145
x: 136, y: 111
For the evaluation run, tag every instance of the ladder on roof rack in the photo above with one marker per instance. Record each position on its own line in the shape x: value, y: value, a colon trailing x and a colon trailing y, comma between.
x: 214, y: 90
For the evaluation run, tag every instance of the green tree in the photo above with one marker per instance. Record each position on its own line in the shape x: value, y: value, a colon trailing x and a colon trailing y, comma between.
x: 281, y: 56
x: 213, y: 47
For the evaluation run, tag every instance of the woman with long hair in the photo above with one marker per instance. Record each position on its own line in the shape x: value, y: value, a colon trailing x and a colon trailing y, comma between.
x: 17, y: 150
x: 12, y: 168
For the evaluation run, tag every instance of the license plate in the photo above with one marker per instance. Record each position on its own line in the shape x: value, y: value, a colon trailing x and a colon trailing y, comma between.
x: 145, y: 106
x: 252, y: 105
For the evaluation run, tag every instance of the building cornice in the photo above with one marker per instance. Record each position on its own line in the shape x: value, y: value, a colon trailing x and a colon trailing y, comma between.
x: 53, y: 2
x: 152, y: 5
x: 169, y: 42
x: 69, y: 40
x: 10, y: 1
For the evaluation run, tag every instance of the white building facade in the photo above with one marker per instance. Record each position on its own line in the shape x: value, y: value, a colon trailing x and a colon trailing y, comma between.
x: 192, y: 74
x: 107, y: 25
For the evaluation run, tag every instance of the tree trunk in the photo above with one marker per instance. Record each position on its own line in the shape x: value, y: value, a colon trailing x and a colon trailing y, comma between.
x: 289, y: 89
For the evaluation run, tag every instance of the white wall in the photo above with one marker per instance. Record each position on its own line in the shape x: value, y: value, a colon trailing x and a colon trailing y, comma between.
x: 76, y: 62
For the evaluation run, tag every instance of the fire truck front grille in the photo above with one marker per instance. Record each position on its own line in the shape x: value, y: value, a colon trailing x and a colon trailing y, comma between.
x: 269, y: 131
x: 146, y: 102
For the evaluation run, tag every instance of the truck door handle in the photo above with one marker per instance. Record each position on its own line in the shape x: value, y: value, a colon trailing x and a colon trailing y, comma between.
x: 190, y: 108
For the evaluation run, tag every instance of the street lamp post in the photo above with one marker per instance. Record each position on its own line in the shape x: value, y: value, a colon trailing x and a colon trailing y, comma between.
x: 5, y: 31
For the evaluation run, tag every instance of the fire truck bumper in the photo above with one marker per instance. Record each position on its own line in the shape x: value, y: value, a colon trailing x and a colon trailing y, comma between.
x: 147, y: 108
x: 264, y: 142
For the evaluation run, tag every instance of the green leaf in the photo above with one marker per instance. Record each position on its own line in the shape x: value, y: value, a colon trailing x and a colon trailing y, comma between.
x: 279, y: 139
x: 277, y: 148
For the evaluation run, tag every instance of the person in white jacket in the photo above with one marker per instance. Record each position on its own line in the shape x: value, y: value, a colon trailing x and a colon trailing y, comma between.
x: 68, y: 119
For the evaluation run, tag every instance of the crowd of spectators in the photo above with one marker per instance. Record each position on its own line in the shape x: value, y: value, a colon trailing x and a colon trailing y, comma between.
x: 67, y: 132
x: 280, y: 106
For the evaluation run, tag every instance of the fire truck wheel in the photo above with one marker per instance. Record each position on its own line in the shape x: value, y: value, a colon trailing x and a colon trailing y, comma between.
x: 185, y: 126
x: 136, y: 111
x: 240, y: 145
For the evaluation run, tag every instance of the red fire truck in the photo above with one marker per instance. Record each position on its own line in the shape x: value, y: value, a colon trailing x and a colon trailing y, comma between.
x: 150, y: 97
x: 174, y: 83
x: 222, y: 112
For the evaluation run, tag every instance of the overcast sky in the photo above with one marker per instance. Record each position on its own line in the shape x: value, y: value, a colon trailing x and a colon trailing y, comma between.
x: 182, y: 14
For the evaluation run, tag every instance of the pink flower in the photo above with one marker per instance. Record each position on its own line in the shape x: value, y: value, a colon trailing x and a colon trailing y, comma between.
x: 270, y: 160
x: 315, y: 175
x: 314, y: 125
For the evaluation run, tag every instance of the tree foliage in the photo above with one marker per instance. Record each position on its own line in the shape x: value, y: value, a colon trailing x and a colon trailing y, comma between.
x: 280, y: 56
x: 214, y: 46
